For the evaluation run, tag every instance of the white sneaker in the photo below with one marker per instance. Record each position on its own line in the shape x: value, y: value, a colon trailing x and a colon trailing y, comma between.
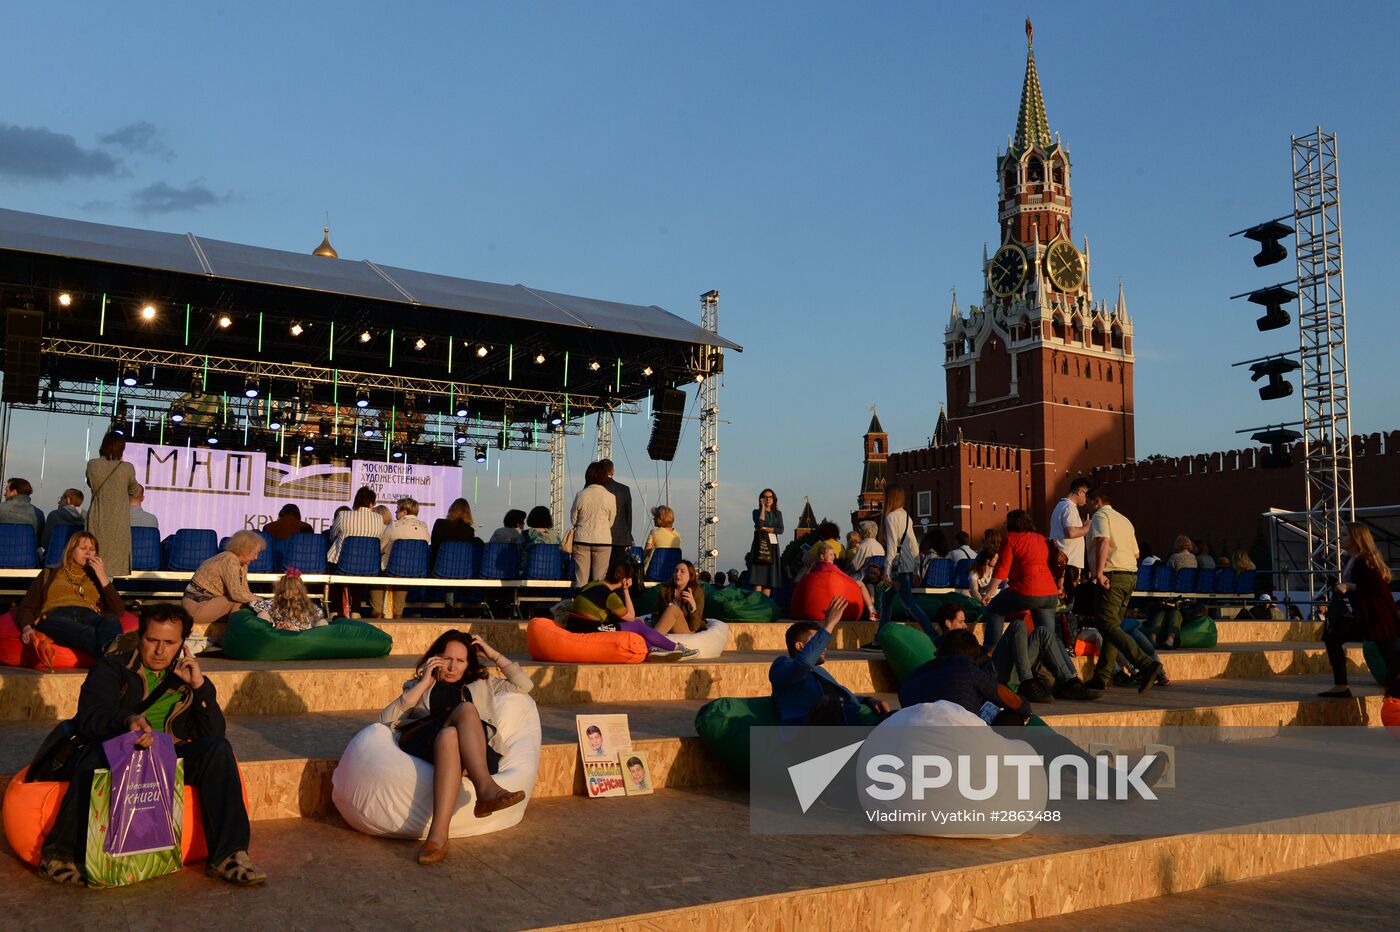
x: 660, y: 655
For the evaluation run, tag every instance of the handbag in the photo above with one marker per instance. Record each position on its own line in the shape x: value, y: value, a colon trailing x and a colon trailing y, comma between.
x: 63, y: 743
x: 904, y: 561
x: 762, y: 549
x: 567, y: 544
x: 1341, y: 620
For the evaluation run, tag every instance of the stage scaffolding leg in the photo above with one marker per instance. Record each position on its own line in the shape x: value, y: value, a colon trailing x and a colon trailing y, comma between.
x: 556, y: 478
x: 709, y: 440
x: 605, y: 434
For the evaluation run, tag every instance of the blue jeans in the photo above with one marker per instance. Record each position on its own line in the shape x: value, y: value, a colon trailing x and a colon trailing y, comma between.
x: 1020, y: 651
x: 904, y: 588
x: 1009, y: 602
x: 78, y: 628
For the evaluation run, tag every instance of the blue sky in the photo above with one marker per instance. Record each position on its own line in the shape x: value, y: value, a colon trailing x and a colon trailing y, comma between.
x: 829, y: 169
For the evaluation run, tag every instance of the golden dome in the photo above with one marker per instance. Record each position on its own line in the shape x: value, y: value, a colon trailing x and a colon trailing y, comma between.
x: 326, y: 249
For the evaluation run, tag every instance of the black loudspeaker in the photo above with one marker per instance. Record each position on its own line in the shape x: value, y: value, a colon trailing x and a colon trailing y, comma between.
x: 24, y: 332
x: 668, y: 407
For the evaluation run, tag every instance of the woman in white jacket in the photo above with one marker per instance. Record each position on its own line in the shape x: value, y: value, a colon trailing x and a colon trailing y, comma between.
x: 901, y: 563
x: 447, y: 717
x: 592, y: 519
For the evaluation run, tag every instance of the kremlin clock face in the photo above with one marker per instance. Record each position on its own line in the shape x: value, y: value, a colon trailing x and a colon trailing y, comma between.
x: 1064, y: 265
x: 1007, y: 271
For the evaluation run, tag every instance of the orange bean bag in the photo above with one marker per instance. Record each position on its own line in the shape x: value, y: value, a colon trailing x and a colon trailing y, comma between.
x: 16, y: 653
x: 815, y: 591
x: 547, y: 640
x: 31, y: 808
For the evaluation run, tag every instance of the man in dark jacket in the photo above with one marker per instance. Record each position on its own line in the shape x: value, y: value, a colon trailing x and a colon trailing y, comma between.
x: 622, y: 524
x: 110, y: 703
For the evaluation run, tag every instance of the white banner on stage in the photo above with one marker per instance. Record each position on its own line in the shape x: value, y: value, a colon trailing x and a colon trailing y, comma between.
x: 233, y: 490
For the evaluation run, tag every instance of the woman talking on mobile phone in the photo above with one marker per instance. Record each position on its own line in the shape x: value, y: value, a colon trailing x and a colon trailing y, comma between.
x: 447, y: 717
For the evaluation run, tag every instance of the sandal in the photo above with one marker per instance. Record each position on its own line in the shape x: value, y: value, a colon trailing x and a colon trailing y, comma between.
x: 237, y: 869
x: 60, y: 871
x: 484, y: 809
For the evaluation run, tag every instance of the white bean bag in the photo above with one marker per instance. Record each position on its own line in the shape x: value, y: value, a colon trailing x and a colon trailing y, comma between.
x: 380, y: 790
x: 710, y: 640
x: 933, y: 728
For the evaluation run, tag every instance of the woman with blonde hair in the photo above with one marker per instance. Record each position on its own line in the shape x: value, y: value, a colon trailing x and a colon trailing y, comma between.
x: 901, y: 563
x: 73, y: 605
x: 1182, y: 556
x: 290, y: 608
x: 1365, y: 585
x: 1241, y: 562
x: 663, y: 535
x: 220, y: 586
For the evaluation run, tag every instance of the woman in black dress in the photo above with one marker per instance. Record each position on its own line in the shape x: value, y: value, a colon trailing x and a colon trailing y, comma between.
x: 767, y: 522
x: 447, y: 717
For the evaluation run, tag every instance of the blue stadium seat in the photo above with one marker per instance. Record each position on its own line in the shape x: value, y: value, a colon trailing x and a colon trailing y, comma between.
x: 500, y: 561
x: 306, y: 552
x: 456, y: 559
x: 359, y: 556
x: 1144, y: 580
x: 962, y: 574
x: 1244, y: 583
x: 188, y: 547
x: 663, y: 564
x: 636, y: 553
x: 58, y: 541
x: 1162, y: 574
x: 1185, y: 580
x: 544, y: 561
x: 939, y: 574
x: 266, y: 561
x: 19, y: 547
x: 278, y: 551
x: 145, y: 548
x: 1225, y: 580
x: 408, y: 558
x: 1205, y: 579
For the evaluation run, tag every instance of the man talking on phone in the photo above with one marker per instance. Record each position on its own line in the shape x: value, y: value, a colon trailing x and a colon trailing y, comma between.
x: 116, y: 698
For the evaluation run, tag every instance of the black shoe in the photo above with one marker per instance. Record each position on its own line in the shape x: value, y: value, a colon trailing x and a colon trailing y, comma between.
x: 871, y: 648
x: 1033, y: 690
x: 1148, y: 675
x: 1124, y: 678
x: 1163, y: 679
x: 1336, y: 692
x: 1098, y: 685
x: 1075, y: 691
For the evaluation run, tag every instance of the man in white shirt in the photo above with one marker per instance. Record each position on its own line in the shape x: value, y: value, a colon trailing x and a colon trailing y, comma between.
x: 1067, y: 528
x: 964, y: 549
x: 406, y: 526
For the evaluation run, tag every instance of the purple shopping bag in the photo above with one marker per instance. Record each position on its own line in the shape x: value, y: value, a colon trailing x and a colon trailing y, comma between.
x: 141, y: 817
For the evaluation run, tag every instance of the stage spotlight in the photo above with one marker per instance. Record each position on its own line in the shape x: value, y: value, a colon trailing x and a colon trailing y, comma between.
x: 177, y: 414
x: 714, y: 519
x: 196, y: 386
x: 275, y: 423
x: 366, y: 336
x: 65, y: 299
x: 713, y: 553
x: 461, y: 409
x: 647, y: 372
x: 362, y: 399
x: 539, y: 359
x: 481, y: 351
x: 148, y: 312
x: 129, y: 377
x: 370, y: 433
x: 460, y: 438
x: 250, y: 388
x: 481, y: 453
x: 397, y: 453
x: 225, y: 321
x: 213, y: 440
x: 297, y: 330
x: 595, y: 365
x: 699, y: 376
x: 419, y: 343
x: 308, y: 447
x: 325, y: 427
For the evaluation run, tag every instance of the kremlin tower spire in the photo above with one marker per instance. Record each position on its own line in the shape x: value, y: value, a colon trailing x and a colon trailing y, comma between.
x: 1032, y: 126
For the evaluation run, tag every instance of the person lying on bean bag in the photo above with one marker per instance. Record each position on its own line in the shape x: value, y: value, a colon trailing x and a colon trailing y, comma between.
x: 447, y: 717
x: 803, y: 692
x: 606, y: 605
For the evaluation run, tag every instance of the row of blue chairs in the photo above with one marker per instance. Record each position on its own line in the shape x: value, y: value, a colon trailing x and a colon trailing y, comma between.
x: 1160, y: 577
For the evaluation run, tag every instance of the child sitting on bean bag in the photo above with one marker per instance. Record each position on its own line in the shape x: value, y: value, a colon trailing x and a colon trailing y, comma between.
x: 290, y: 608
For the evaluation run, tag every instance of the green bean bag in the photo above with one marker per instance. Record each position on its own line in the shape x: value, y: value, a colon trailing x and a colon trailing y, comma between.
x: 644, y: 599
x: 734, y: 604
x: 1199, y: 632
x: 906, y: 649
x: 723, y: 724
x: 248, y: 637
x: 1374, y: 662
x: 932, y: 603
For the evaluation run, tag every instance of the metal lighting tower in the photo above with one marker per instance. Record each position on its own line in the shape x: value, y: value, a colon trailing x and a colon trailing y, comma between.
x: 556, y: 477
x: 1322, y: 328
x: 709, y: 439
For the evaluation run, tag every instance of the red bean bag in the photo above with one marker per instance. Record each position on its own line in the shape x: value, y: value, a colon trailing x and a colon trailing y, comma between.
x: 815, y: 591
x: 16, y: 653
x: 31, y: 808
x: 547, y: 640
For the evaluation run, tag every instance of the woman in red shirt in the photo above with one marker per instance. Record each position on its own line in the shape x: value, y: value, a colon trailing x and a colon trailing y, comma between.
x: 1023, y: 568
